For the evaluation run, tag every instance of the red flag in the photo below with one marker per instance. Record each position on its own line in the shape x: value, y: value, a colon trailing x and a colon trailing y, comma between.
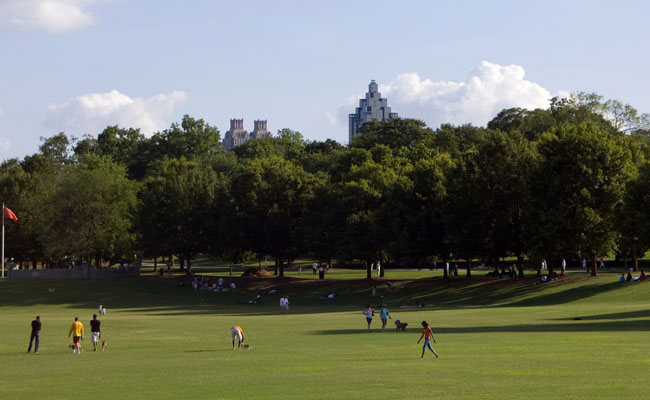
x: 10, y: 214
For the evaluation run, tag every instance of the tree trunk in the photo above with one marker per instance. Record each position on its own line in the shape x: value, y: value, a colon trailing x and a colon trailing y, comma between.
x: 281, y: 269
x: 277, y: 261
x: 189, y: 264
x: 155, y: 264
x: 469, y: 268
x: 520, y: 265
x: 230, y: 268
x: 636, y: 258
x: 383, y: 268
x: 445, y: 270
x: 594, y: 266
x: 369, y: 270
x: 549, y: 266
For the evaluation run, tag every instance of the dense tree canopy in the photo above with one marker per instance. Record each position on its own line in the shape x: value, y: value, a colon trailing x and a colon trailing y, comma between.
x: 567, y: 181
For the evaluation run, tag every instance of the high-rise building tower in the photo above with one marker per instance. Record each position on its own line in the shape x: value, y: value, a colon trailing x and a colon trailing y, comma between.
x: 236, y: 135
x: 372, y: 108
x: 259, y: 131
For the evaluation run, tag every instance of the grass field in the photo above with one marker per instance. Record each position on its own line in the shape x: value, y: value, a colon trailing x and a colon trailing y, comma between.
x: 496, y: 339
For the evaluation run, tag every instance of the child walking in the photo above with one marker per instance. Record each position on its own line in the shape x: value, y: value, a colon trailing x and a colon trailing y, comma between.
x: 427, y: 334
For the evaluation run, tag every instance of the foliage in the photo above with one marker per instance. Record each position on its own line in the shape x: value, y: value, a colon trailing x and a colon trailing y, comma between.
x: 537, y: 183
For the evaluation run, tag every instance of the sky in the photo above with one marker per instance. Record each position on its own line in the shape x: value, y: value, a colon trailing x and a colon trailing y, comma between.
x: 77, y: 66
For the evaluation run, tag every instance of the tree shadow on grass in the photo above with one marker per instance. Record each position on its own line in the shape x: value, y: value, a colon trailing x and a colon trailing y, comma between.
x: 578, y: 326
x: 621, y: 315
x: 206, y: 351
x: 161, y: 296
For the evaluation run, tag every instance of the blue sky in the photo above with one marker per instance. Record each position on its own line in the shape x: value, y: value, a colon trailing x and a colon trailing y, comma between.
x: 79, y: 65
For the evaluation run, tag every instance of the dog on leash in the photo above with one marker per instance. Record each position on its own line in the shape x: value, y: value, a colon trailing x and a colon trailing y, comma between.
x: 400, y: 326
x: 103, y: 345
x: 246, y: 346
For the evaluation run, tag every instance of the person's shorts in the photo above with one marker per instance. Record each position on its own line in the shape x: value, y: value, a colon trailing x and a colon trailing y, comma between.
x: 285, y: 306
x: 75, y: 339
x: 236, y: 334
x: 94, y: 337
x: 369, y: 320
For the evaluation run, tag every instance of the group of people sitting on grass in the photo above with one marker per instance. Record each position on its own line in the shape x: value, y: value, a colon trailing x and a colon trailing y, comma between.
x: 202, y: 283
x: 511, y: 273
x: 631, y: 278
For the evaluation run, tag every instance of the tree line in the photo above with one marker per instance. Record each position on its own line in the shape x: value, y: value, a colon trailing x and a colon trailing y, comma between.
x: 569, y: 181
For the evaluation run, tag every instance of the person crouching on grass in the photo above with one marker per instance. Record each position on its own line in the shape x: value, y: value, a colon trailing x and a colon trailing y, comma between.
x: 427, y: 334
x: 237, y: 333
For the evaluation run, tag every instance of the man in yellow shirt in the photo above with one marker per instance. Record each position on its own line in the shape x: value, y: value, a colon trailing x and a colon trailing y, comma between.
x: 77, y: 332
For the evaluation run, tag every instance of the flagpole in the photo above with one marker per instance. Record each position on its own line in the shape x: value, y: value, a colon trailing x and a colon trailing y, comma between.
x: 3, y: 240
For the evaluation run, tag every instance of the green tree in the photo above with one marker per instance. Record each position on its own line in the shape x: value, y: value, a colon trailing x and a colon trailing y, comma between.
x: 56, y: 149
x: 175, y: 211
x: 363, y: 189
x: 270, y: 195
x: 575, y: 190
x: 633, y: 216
x: 192, y: 139
x: 91, y: 211
x: 394, y: 133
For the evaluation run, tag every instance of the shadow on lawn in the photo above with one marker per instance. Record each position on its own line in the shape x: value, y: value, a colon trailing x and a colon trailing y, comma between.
x: 621, y: 315
x: 578, y: 326
x: 161, y: 296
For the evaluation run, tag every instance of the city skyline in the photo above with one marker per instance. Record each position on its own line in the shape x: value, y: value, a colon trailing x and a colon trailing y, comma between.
x: 79, y: 66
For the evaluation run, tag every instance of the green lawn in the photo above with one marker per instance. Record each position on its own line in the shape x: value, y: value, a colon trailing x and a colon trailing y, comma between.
x: 496, y: 339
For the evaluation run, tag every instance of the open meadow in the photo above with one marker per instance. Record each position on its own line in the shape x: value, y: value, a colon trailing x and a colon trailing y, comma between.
x: 497, y: 339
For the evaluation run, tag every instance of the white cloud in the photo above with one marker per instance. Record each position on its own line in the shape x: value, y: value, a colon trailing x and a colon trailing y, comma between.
x: 5, y: 144
x: 2, y: 111
x: 91, y: 113
x: 488, y: 89
x: 52, y: 15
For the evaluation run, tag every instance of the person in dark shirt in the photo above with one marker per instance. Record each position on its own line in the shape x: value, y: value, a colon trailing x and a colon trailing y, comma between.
x: 36, y: 330
x: 96, y: 331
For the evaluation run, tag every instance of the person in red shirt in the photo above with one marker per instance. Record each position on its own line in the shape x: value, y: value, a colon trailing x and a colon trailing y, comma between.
x: 427, y: 334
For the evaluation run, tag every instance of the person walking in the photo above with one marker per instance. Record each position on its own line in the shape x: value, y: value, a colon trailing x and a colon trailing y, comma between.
x: 77, y: 332
x: 369, y: 313
x: 96, y: 331
x: 427, y: 334
x: 384, y: 315
x: 285, y: 304
x: 36, y: 331
x: 237, y: 333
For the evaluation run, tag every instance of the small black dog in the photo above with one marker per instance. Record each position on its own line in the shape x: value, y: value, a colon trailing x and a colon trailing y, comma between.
x: 400, y: 326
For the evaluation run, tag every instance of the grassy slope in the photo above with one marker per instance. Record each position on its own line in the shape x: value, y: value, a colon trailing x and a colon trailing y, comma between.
x: 496, y: 340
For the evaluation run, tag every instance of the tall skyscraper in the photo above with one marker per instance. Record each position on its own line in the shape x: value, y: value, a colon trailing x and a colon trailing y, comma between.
x: 372, y: 108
